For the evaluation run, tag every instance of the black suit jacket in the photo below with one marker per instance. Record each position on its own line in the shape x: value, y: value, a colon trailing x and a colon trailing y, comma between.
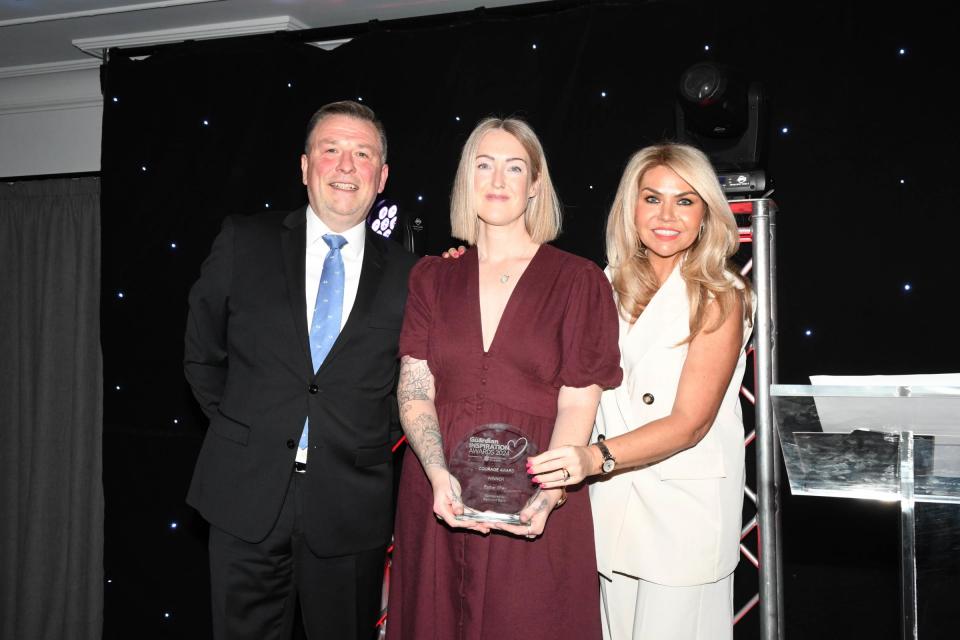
x: 247, y: 359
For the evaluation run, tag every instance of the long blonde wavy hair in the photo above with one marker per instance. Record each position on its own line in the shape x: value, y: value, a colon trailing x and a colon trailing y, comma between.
x: 704, y: 266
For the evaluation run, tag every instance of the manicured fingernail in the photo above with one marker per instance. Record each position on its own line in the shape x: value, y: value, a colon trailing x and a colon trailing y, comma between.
x: 536, y: 480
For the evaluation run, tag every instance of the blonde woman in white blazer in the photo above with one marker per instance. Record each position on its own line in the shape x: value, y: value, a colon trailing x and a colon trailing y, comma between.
x: 670, y: 453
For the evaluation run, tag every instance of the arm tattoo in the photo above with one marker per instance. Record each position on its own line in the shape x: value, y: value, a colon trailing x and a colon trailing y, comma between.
x: 416, y: 382
x: 424, y: 436
x: 419, y: 421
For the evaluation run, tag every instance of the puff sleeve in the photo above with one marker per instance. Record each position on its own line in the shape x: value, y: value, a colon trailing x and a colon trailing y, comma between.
x: 590, y: 332
x: 421, y: 304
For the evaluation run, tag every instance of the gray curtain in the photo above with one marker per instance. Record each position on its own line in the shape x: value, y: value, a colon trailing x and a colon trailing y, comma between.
x: 51, y: 410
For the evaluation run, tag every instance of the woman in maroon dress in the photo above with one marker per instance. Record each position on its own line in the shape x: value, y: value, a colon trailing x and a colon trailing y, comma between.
x: 514, y: 332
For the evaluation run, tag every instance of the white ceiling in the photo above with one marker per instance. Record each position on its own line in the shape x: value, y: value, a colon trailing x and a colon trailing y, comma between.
x: 42, y: 32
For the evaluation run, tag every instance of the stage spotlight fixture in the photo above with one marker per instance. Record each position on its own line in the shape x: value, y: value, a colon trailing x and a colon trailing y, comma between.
x: 387, y: 220
x: 722, y: 113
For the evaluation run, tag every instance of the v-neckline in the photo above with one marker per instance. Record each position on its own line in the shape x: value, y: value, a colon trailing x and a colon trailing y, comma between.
x: 506, y: 308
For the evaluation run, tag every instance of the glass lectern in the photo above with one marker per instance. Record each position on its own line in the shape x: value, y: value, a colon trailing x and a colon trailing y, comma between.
x: 874, y: 443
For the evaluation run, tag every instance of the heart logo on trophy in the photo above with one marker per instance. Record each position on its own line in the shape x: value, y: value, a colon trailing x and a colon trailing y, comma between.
x: 517, y: 448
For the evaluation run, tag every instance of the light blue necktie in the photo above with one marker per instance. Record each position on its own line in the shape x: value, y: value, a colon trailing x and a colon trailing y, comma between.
x: 328, y: 310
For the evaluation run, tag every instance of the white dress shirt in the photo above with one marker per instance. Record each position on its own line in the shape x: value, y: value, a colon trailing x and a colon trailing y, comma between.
x: 317, y: 249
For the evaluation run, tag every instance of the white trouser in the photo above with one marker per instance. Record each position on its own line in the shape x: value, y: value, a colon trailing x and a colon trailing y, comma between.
x: 635, y: 609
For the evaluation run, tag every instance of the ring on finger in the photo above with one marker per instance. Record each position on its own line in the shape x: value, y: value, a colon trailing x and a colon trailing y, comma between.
x: 530, y: 531
x: 566, y: 474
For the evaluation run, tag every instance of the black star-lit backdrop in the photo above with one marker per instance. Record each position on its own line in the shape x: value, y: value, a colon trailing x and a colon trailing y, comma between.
x: 861, y: 150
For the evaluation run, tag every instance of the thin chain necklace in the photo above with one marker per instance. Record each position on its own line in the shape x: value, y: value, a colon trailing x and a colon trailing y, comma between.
x: 505, y: 277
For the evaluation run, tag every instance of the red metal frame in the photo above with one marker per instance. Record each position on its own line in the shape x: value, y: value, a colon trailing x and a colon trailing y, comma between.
x: 745, y: 208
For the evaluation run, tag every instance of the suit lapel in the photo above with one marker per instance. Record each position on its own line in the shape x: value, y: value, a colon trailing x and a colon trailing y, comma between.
x: 668, y: 307
x: 371, y: 271
x: 293, y: 245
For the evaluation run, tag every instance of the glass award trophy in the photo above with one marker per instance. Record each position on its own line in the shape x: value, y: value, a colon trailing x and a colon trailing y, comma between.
x: 491, y: 467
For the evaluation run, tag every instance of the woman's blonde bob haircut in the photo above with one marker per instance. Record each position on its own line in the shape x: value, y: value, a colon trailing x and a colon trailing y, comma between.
x: 705, y: 265
x: 542, y: 216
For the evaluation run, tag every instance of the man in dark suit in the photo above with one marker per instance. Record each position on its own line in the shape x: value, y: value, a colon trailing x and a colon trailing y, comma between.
x: 291, y: 350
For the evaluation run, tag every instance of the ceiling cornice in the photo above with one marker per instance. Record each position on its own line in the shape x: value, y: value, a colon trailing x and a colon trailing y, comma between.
x: 49, y: 67
x: 103, y: 11
x: 96, y: 46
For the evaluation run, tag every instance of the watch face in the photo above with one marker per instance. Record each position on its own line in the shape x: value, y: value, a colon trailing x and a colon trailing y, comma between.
x: 608, y: 465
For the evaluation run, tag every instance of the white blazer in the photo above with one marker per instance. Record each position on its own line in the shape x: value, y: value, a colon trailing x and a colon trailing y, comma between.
x: 676, y: 522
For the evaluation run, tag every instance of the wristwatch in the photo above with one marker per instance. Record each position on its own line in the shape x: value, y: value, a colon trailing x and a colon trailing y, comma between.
x: 609, y: 462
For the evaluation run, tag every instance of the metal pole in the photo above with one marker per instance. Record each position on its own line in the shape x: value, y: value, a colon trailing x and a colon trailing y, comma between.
x: 908, y: 560
x: 767, y: 487
x: 774, y: 379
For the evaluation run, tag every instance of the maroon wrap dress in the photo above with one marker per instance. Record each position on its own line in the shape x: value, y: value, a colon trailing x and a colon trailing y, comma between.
x: 559, y: 328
